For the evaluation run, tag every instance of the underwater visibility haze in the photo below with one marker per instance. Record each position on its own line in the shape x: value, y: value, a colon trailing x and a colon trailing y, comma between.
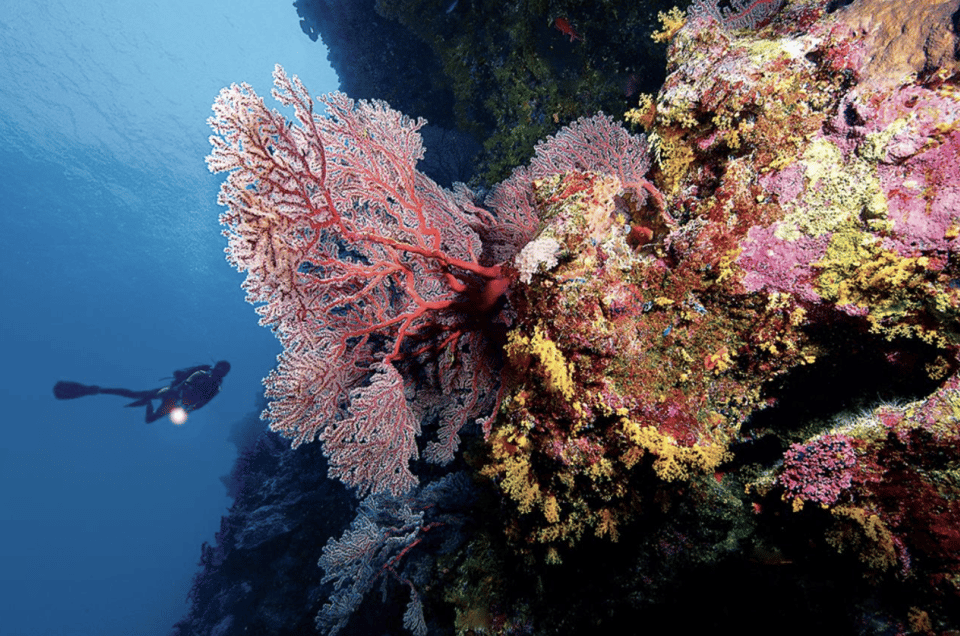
x: 112, y: 271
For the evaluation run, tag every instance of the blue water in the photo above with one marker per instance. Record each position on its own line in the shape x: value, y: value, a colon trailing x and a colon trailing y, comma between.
x: 112, y: 272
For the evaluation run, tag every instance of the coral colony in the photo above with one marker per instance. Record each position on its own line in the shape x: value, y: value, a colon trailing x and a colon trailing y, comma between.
x: 609, y: 324
x: 366, y: 267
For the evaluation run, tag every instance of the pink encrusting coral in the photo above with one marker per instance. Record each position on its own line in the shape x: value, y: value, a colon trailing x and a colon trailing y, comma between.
x: 784, y: 269
x: 818, y: 471
x: 824, y: 150
x: 908, y: 137
x: 889, y: 484
x: 843, y: 178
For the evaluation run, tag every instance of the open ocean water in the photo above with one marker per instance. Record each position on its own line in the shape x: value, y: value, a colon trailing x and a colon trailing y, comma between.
x: 112, y: 272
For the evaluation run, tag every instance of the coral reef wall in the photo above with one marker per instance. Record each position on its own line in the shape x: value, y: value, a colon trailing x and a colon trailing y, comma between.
x: 722, y: 357
x: 794, y: 264
x: 507, y: 73
x: 261, y: 576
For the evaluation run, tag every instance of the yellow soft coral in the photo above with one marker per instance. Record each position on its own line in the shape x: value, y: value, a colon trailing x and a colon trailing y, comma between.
x: 556, y: 371
x: 839, y: 193
x: 673, y: 462
x: 671, y: 21
x: 866, y: 535
x: 896, y: 290
x: 518, y: 483
x: 644, y: 113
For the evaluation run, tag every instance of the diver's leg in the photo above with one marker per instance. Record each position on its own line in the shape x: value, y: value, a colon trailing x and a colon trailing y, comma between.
x: 167, y: 404
x: 153, y: 416
x: 66, y: 390
x: 128, y: 393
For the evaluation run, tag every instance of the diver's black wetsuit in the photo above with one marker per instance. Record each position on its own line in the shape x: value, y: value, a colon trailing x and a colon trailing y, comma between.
x: 191, y: 388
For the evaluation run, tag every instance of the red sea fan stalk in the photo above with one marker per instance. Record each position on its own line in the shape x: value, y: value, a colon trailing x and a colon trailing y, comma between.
x: 361, y: 265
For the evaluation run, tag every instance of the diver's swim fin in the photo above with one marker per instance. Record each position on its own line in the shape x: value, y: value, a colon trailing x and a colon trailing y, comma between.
x: 64, y: 390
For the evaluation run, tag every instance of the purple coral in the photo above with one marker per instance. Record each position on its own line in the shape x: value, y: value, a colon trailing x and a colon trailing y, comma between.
x: 819, y: 470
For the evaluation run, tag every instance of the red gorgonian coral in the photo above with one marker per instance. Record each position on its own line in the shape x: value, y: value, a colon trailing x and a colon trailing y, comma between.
x: 371, y: 275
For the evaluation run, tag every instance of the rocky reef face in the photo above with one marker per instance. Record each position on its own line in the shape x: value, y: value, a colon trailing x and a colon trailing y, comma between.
x: 261, y: 576
x: 804, y: 256
x: 505, y: 74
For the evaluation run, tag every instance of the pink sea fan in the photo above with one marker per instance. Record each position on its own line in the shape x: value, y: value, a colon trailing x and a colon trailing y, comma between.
x: 364, y: 268
x: 737, y: 14
x: 593, y: 144
x: 590, y: 144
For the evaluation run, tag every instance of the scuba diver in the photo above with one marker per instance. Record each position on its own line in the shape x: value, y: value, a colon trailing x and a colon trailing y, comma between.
x: 191, y: 388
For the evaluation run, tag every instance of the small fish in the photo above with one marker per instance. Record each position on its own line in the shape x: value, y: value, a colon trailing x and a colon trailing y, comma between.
x: 452, y: 6
x: 563, y: 26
